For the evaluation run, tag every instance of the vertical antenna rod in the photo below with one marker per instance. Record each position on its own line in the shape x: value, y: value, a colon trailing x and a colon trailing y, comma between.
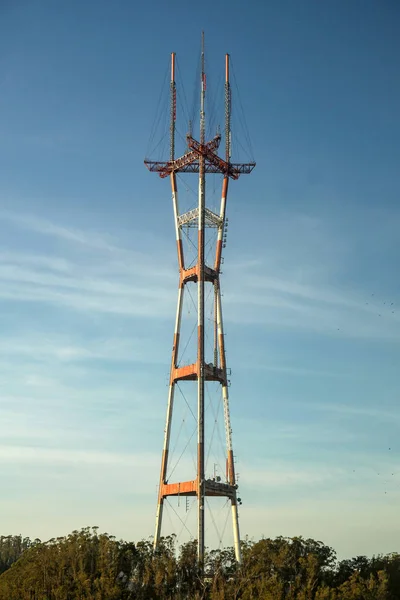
x: 203, y: 93
x: 200, y: 323
x: 172, y: 109
x: 221, y: 229
x: 227, y: 111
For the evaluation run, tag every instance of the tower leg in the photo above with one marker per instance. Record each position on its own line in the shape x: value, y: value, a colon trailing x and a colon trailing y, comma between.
x: 167, y: 431
x: 159, y: 516
x: 228, y: 430
x: 164, y: 465
x: 236, y: 533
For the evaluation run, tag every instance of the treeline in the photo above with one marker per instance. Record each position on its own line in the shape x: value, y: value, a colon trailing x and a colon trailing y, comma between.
x: 90, y: 565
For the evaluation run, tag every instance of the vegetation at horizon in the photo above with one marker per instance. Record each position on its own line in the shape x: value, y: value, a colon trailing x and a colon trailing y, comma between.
x: 87, y: 564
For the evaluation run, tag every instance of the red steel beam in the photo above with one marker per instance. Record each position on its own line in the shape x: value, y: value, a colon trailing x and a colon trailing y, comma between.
x: 186, y: 488
x: 190, y: 488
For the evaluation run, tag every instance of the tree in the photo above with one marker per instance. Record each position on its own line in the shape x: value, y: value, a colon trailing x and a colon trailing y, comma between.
x: 375, y: 587
x: 87, y: 565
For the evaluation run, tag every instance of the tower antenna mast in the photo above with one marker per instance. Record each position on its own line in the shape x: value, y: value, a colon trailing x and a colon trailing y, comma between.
x: 200, y: 319
x: 200, y: 157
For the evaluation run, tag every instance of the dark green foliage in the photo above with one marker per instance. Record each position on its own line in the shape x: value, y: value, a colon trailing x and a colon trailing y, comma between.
x: 89, y: 565
x: 11, y: 549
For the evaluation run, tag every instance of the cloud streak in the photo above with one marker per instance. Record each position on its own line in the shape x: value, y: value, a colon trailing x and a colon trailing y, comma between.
x: 104, y: 277
x: 55, y: 456
x: 278, y: 302
x: 361, y: 411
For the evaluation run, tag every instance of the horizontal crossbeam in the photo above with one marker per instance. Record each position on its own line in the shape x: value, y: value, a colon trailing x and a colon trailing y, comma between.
x: 190, y: 488
x: 192, y: 274
x: 239, y: 168
x: 189, y: 163
x: 190, y: 373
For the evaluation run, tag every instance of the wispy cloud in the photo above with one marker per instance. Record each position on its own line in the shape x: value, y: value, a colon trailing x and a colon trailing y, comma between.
x: 102, y: 276
x: 312, y: 274
x: 293, y: 370
x: 54, y: 456
x: 287, y: 475
x: 352, y: 410
x: 45, y: 227
x: 51, y: 349
x: 105, y: 277
x: 315, y: 307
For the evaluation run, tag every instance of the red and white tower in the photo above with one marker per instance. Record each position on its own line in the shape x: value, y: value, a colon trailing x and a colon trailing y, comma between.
x: 200, y: 157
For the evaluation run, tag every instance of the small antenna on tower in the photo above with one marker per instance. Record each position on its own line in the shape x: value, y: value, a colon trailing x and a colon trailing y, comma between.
x: 227, y: 111
x: 203, y: 93
x: 172, y: 108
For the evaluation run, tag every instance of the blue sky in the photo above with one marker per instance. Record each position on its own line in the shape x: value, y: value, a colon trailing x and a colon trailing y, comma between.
x: 88, y: 267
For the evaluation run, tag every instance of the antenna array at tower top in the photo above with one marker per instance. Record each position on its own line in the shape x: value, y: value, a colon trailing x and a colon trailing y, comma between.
x: 189, y: 162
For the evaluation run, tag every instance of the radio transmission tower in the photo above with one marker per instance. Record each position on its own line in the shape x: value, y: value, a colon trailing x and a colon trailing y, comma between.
x: 200, y: 157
